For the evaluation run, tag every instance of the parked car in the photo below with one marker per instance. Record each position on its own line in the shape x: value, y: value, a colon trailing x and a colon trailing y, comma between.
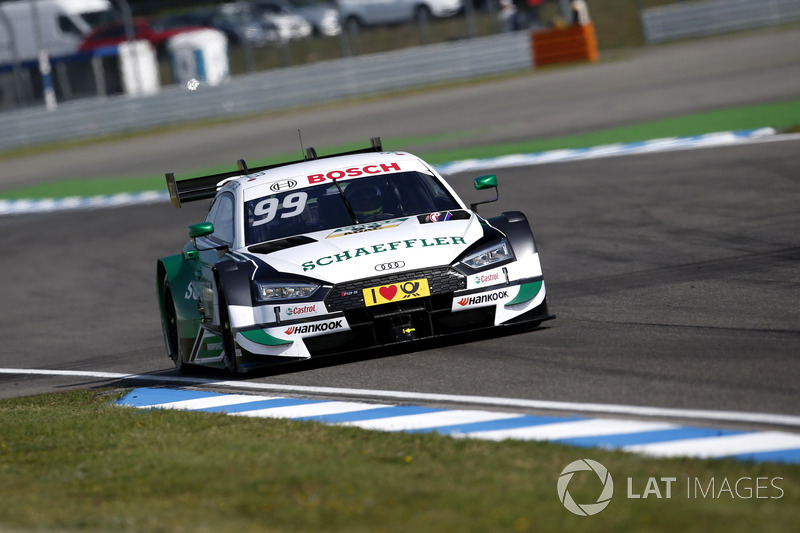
x: 156, y: 31
x: 356, y: 13
x: 62, y: 26
x: 280, y: 13
x: 239, y: 25
x: 323, y: 16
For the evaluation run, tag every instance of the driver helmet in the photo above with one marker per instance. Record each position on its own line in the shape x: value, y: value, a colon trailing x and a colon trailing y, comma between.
x: 365, y: 199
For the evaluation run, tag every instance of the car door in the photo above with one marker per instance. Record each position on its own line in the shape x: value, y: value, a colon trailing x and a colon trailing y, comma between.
x: 211, y: 250
x: 208, y: 251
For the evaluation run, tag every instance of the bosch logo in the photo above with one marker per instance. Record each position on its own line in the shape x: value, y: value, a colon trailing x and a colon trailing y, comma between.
x: 390, y: 266
x: 353, y: 172
x: 283, y: 185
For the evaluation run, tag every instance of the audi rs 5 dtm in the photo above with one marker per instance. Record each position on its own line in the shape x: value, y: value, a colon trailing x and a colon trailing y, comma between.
x: 338, y: 253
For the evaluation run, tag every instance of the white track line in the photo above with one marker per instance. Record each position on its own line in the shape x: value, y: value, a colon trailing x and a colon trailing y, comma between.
x: 734, y: 417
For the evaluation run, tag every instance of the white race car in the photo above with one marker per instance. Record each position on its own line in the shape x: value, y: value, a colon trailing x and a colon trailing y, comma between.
x: 344, y: 252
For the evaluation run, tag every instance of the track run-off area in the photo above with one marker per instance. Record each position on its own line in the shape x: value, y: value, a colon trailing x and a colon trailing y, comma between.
x: 673, y: 272
x: 649, y: 430
x: 643, y: 430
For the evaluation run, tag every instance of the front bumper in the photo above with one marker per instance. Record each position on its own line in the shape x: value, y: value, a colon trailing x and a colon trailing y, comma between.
x: 348, y: 325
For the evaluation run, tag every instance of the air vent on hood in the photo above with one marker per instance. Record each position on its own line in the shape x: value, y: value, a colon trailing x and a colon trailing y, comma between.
x: 282, y: 244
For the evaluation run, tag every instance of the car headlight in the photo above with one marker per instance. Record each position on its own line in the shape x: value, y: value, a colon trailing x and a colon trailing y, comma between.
x: 495, y: 253
x: 284, y: 291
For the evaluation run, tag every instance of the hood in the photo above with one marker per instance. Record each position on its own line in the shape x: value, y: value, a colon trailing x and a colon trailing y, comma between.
x: 370, y: 249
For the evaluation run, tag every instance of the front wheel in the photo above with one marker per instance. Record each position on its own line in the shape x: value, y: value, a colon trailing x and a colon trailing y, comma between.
x: 227, y: 338
x: 171, y: 332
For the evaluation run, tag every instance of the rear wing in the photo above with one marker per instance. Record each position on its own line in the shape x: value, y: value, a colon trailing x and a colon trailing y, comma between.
x: 205, y: 187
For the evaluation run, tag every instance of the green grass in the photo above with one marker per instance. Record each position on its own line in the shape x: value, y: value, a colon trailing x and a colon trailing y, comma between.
x: 74, y: 462
x: 783, y: 115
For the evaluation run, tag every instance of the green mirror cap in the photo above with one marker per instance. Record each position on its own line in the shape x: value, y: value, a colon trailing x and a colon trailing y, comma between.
x: 201, y: 230
x: 486, y: 182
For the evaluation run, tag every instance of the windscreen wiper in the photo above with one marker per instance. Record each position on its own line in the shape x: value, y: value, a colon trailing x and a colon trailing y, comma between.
x: 347, y: 205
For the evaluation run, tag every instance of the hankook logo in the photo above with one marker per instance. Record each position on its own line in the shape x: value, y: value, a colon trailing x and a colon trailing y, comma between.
x: 483, y: 298
x: 283, y: 185
x: 390, y: 266
x: 315, y: 328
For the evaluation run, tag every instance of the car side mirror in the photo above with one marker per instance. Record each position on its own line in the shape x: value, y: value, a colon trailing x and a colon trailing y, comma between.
x: 201, y: 230
x: 485, y: 182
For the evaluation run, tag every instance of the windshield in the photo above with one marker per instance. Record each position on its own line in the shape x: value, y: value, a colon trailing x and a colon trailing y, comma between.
x: 96, y: 19
x: 323, y: 206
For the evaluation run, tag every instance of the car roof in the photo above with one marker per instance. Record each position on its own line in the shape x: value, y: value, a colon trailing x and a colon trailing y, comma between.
x: 317, y: 171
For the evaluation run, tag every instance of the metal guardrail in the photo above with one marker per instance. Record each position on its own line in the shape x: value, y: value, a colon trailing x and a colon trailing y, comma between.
x: 699, y: 19
x: 268, y: 91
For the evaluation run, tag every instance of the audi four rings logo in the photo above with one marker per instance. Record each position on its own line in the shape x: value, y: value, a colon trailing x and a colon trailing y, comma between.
x: 389, y: 266
x: 283, y: 185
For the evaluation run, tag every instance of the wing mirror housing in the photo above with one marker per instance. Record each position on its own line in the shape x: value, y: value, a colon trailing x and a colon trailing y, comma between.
x: 201, y: 230
x: 485, y: 182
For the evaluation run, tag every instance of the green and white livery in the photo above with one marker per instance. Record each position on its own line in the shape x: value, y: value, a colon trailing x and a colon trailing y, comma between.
x: 344, y: 252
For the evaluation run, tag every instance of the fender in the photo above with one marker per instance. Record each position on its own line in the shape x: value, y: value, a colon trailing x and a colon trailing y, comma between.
x: 518, y: 231
x: 180, y: 274
x: 233, y: 279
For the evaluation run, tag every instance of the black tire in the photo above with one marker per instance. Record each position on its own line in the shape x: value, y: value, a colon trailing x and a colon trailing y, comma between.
x: 227, y: 338
x: 173, y: 340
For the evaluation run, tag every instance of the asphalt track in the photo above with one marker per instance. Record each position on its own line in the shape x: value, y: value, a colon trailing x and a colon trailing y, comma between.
x: 674, y: 276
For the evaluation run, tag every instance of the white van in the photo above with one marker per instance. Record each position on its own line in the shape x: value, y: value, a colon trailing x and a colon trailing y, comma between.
x: 63, y: 24
x: 376, y: 12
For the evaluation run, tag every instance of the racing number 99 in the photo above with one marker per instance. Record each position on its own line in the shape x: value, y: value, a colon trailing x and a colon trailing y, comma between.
x: 293, y: 204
